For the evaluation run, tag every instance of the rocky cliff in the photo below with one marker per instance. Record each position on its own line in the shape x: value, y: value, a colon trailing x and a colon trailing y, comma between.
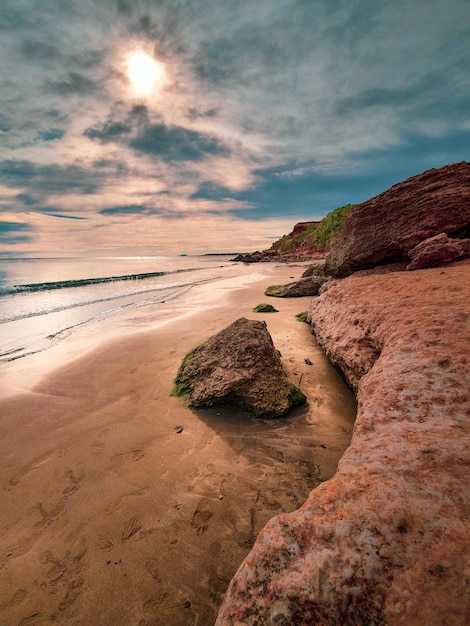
x: 298, y: 245
x: 385, y: 541
x: 387, y: 227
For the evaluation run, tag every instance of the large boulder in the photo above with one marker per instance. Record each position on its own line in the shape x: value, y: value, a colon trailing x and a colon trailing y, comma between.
x: 238, y: 366
x: 385, y: 228
x: 385, y: 541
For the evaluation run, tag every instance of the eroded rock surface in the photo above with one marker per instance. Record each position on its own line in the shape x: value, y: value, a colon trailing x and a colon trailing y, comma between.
x: 316, y: 269
x: 385, y: 541
x: 385, y: 228
x: 238, y: 366
x: 436, y: 251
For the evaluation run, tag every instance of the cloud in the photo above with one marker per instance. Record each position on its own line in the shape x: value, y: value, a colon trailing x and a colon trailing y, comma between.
x: 26, y: 199
x: 52, y: 134
x: 166, y: 142
x: 36, y: 50
x: 9, y: 230
x: 210, y: 191
x: 65, y: 217
x: 131, y: 209
x: 110, y: 131
x: 177, y: 143
x: 46, y: 179
x: 272, y: 110
x: 74, y: 83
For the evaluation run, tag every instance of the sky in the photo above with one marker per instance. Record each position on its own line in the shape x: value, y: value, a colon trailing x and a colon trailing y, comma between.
x: 151, y: 127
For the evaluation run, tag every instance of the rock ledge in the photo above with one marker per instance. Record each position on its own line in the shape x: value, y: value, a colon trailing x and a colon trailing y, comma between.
x: 385, y: 541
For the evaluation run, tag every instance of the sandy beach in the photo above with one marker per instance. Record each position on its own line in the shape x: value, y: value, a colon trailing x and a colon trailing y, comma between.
x: 119, y: 505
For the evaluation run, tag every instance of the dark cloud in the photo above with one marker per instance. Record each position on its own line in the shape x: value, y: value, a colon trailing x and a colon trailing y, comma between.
x: 125, y: 6
x: 4, y: 125
x: 74, y: 83
x: 128, y: 209
x: 111, y: 131
x: 171, y: 143
x: 176, y: 143
x: 51, y: 134
x: 194, y: 114
x: 210, y: 191
x: 65, y: 217
x: 27, y: 199
x: 36, y: 50
x: 9, y: 230
x: 41, y: 179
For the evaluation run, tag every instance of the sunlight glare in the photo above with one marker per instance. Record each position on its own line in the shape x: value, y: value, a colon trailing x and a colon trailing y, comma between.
x: 145, y: 72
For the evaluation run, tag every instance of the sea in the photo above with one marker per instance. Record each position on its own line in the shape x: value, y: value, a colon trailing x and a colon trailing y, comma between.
x: 45, y: 300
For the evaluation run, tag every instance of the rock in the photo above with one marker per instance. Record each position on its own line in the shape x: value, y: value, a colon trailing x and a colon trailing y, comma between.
x: 238, y: 366
x: 385, y: 541
x: 265, y: 308
x: 434, y: 252
x: 304, y: 287
x: 316, y: 269
x: 256, y: 257
x: 386, y: 227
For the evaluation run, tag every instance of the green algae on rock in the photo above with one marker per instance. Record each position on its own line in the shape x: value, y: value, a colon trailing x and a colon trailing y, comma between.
x: 265, y: 308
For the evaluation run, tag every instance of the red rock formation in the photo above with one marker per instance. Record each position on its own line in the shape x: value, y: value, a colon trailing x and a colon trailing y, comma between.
x: 385, y: 541
x: 296, y: 246
x: 436, y: 251
x: 386, y: 227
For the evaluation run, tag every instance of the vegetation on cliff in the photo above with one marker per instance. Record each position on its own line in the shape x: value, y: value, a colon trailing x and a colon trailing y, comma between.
x: 330, y: 226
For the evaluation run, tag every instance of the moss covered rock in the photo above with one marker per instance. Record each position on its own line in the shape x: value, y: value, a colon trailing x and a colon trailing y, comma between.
x: 239, y: 366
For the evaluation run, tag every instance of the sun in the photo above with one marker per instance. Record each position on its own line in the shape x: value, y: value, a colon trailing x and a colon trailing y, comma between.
x: 144, y: 72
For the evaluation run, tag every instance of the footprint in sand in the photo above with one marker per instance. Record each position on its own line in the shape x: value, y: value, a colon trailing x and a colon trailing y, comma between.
x: 117, y: 504
x: 16, y: 598
x: 151, y: 565
x: 133, y: 395
x: 105, y: 543
x: 97, y: 447
x: 74, y: 482
x: 133, y: 455
x: 131, y: 528
x: 202, y: 516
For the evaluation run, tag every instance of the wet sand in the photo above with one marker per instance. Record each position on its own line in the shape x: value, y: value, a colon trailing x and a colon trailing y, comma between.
x: 119, y: 505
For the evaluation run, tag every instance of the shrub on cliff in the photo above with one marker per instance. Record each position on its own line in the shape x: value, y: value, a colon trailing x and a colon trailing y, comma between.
x: 330, y: 226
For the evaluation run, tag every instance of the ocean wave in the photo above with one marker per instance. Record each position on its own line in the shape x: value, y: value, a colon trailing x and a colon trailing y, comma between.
x: 83, y: 282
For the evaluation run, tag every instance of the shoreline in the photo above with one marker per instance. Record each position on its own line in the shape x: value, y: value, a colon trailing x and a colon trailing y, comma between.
x: 123, y: 506
x: 21, y: 375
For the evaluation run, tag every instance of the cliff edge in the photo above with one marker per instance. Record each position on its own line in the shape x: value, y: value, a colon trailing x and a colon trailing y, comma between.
x: 386, y: 228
